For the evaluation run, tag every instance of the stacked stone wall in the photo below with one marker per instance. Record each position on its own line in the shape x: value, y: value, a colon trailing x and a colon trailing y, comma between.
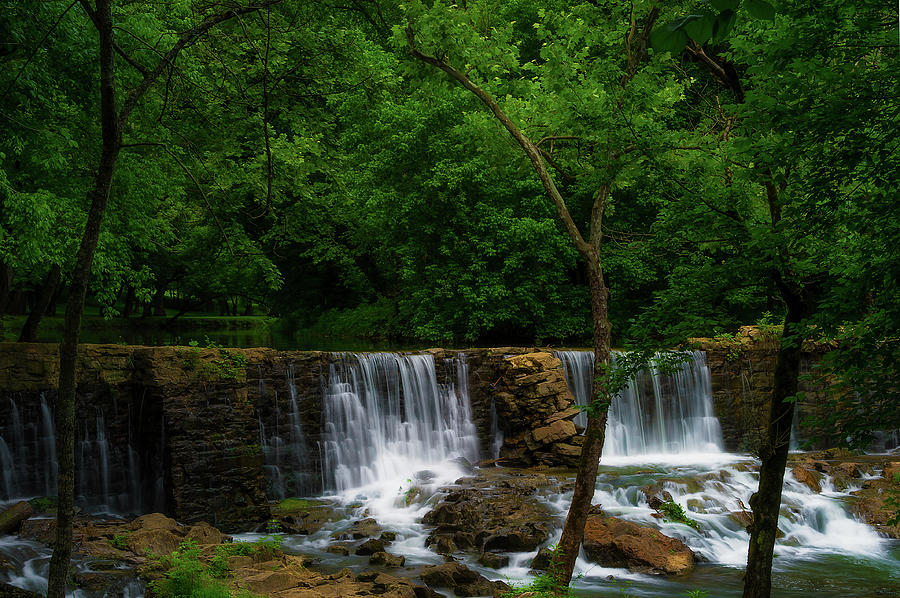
x: 196, y: 416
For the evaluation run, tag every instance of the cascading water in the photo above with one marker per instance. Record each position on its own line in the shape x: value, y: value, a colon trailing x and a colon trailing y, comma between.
x: 661, y: 414
x: 286, y: 456
x: 386, y: 417
x: 109, y: 478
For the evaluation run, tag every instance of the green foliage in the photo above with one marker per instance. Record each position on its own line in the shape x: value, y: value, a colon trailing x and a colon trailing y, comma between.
x: 673, y: 512
x: 227, y: 364
x: 545, y: 584
x: 119, y: 541
x: 187, y: 576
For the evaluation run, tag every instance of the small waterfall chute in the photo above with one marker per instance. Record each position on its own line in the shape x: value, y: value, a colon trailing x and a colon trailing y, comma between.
x: 386, y: 417
x: 656, y: 413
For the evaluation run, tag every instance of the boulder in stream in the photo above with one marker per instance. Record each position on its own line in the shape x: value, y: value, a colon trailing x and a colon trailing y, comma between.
x: 613, y: 542
x: 462, y: 580
x: 11, y: 519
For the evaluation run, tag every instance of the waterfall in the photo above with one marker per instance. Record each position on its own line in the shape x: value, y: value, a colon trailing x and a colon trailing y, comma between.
x: 386, y: 417
x: 284, y: 448
x: 108, y: 477
x: 656, y: 413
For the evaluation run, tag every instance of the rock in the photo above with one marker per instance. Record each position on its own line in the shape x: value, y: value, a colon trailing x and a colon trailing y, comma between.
x: 203, y: 533
x: 8, y: 591
x: 504, y: 517
x: 541, y: 562
x: 441, y: 544
x: 465, y: 465
x: 656, y: 495
x: 364, y: 528
x: 369, y: 547
x: 870, y: 504
x: 152, y: 541
x: 11, y: 519
x: 462, y: 580
x: 385, y: 559
x: 612, y: 542
x: 388, y: 537
x: 807, y: 477
x: 40, y: 530
x: 493, y: 560
x: 891, y: 470
x: 558, y: 430
x: 153, y: 521
x: 341, y: 548
x: 269, y: 582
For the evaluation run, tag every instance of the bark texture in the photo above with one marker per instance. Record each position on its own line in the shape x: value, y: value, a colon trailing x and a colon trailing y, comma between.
x: 68, y: 349
x: 766, y: 502
x: 41, y: 305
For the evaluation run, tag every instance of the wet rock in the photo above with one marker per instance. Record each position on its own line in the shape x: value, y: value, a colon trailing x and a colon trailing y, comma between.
x: 340, y: 548
x: 656, y: 495
x: 385, y: 559
x: 440, y: 544
x: 388, y: 537
x: 465, y: 465
x: 11, y: 519
x: 8, y: 591
x: 871, y: 505
x: 369, y: 547
x: 109, y: 581
x: 40, y: 530
x: 364, y: 528
x: 462, y: 580
x: 493, y: 560
x: 541, y: 562
x: 612, y: 542
x: 505, y: 517
x: 807, y: 477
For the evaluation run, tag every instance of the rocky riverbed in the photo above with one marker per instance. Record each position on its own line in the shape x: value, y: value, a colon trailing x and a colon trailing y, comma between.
x: 467, y: 537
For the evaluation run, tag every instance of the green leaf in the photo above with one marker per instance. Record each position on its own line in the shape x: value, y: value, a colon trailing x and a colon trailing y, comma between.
x: 724, y: 4
x: 666, y: 40
x: 700, y: 29
x: 760, y: 9
x: 723, y: 25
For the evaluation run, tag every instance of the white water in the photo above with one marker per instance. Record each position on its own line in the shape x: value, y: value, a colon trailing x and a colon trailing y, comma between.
x: 656, y: 414
x: 386, y: 417
x: 108, y: 477
x: 286, y: 458
x: 31, y: 565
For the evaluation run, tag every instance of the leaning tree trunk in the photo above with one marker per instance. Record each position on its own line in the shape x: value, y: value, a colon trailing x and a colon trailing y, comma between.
x: 68, y: 350
x: 766, y: 502
x: 594, y: 434
x: 39, y: 309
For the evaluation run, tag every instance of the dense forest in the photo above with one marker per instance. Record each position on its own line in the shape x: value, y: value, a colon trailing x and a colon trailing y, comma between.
x: 484, y: 172
x: 298, y: 161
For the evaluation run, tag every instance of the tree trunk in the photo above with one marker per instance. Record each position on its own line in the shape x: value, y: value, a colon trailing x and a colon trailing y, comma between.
x: 594, y: 435
x: 44, y: 298
x: 766, y: 502
x: 68, y: 350
x: 111, y: 121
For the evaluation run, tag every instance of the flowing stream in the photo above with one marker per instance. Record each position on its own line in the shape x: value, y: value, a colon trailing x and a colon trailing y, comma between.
x: 393, y: 438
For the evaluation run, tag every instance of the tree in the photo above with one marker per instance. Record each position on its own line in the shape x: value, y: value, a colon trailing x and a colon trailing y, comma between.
x: 575, y: 89
x: 799, y: 139
x: 114, y: 121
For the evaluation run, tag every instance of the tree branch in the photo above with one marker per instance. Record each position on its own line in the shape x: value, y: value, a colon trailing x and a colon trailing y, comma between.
x: 196, y: 183
x: 186, y: 39
x: 533, y: 153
